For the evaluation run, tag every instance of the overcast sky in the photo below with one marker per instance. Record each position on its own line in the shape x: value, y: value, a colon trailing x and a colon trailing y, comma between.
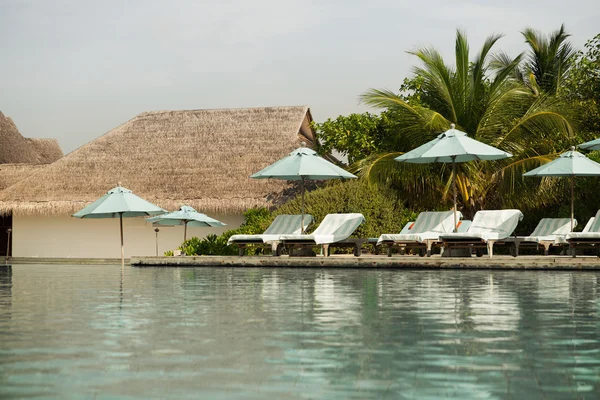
x: 75, y: 69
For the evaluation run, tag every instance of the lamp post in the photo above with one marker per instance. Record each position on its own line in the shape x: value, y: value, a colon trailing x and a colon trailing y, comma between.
x: 156, y: 230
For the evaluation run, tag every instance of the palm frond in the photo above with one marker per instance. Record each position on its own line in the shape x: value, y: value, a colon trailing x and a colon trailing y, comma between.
x: 550, y: 57
x: 418, y: 184
x: 544, y: 124
x: 526, y: 192
x: 418, y: 124
x: 437, y: 82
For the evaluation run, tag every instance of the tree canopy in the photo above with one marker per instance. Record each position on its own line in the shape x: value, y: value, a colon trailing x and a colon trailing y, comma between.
x: 486, y: 96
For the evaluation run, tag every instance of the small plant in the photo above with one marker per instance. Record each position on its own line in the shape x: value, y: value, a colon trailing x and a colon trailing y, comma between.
x: 169, y: 253
x: 256, y: 221
x: 211, y: 245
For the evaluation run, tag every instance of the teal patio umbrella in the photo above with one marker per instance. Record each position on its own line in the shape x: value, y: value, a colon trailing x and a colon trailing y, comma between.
x: 119, y: 203
x: 452, y: 146
x: 591, y: 145
x: 569, y: 164
x: 300, y: 165
x: 185, y: 216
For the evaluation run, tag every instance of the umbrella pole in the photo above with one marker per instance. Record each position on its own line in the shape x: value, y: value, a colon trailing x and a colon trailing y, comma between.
x: 572, y: 200
x: 302, y: 222
x: 454, y: 190
x: 184, y: 231
x: 122, y: 251
x: 156, y: 230
x: 8, y: 231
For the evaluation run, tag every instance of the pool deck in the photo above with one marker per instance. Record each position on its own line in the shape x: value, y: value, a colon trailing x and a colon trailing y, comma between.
x: 339, y: 261
x: 377, y: 261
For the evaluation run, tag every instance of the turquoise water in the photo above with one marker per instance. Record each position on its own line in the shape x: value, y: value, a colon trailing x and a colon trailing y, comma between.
x: 91, y: 332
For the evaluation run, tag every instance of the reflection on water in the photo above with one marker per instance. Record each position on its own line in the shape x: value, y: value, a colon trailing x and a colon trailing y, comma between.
x: 221, y: 333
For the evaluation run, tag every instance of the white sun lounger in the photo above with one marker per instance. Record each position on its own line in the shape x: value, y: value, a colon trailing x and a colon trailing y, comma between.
x: 548, y: 232
x: 374, y: 240
x: 487, y: 228
x: 424, y: 233
x: 464, y: 225
x: 334, y: 230
x: 284, y: 224
x: 590, y: 236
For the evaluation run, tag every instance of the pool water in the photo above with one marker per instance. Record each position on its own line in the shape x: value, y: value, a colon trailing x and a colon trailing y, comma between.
x: 97, y: 332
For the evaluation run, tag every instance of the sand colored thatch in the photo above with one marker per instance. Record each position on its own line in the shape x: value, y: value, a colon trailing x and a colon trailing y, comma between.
x: 202, y: 158
x: 13, y: 173
x: 17, y: 149
x: 48, y: 150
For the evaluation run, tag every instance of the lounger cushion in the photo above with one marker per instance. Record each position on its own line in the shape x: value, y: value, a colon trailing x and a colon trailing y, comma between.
x: 590, y: 232
x: 333, y: 228
x: 548, y: 230
x: 428, y: 226
x: 489, y: 225
x: 282, y: 225
x: 583, y: 235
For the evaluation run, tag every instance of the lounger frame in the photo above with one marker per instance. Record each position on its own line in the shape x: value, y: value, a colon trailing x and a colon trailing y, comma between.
x: 257, y: 241
x: 291, y: 245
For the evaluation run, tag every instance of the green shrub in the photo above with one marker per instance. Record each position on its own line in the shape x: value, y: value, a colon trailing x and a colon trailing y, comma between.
x: 256, y: 221
x: 383, y: 211
x: 211, y: 245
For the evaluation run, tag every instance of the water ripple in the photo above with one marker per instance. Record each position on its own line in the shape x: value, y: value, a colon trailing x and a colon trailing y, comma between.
x: 220, y: 333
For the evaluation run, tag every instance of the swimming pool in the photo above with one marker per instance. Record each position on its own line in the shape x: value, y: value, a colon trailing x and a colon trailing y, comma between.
x: 69, y: 331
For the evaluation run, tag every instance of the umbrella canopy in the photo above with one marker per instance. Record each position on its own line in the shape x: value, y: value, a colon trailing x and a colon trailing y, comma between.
x: 452, y: 146
x: 570, y: 163
x: 119, y: 203
x: 300, y: 165
x: 185, y: 216
x: 591, y: 145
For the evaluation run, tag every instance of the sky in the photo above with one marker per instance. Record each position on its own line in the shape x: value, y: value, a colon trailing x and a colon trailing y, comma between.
x: 75, y: 69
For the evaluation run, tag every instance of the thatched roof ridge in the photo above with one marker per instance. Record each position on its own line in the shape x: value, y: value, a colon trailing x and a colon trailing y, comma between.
x: 17, y: 149
x: 198, y: 157
x: 48, y: 149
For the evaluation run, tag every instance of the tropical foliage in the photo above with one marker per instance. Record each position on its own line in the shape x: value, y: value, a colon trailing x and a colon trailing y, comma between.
x: 534, y: 105
x: 356, y: 136
x: 582, y: 86
x: 256, y: 220
x: 549, y: 60
x: 382, y: 210
x: 484, y: 98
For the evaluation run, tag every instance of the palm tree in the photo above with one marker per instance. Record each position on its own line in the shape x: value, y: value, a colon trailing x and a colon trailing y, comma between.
x: 549, y: 58
x: 483, y: 99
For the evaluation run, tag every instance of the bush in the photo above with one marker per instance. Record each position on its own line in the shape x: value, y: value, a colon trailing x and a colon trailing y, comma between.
x: 256, y: 221
x: 211, y: 245
x: 383, y: 211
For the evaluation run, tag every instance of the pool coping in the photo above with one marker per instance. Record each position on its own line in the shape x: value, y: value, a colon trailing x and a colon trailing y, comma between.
x: 525, y: 262
x: 377, y: 261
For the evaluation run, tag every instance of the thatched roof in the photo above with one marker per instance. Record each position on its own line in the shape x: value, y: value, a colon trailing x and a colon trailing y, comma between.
x: 13, y: 173
x: 17, y: 149
x: 202, y: 158
x: 48, y: 149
